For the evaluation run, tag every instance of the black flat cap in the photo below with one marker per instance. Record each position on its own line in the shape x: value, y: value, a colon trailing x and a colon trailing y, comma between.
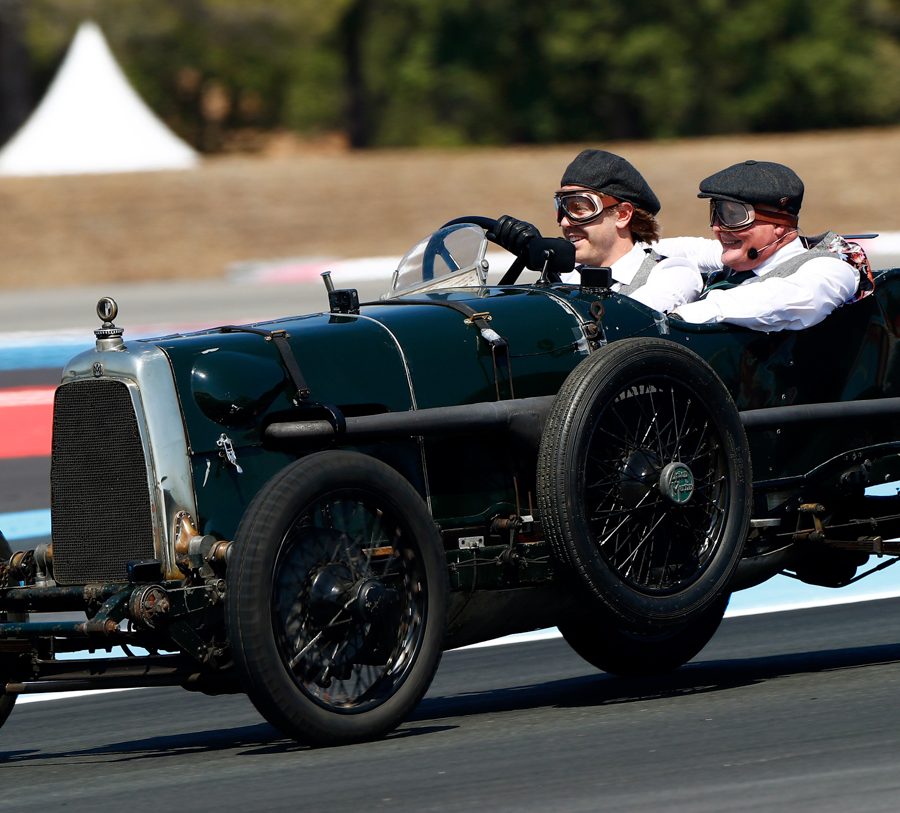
x: 760, y: 182
x: 611, y: 174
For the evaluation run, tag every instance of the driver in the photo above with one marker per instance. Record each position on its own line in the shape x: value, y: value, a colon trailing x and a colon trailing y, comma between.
x: 607, y: 210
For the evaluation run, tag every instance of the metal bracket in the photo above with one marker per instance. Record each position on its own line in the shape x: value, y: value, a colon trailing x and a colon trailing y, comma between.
x: 485, y: 315
x: 227, y: 447
x: 817, y: 532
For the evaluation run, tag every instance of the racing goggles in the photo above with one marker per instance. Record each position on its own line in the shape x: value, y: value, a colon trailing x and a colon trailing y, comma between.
x: 581, y: 206
x: 734, y: 215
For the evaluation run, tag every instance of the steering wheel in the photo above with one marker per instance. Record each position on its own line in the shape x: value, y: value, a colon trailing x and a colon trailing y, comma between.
x: 437, y: 248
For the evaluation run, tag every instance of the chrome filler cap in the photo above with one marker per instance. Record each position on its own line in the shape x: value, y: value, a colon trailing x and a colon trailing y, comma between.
x: 109, y: 337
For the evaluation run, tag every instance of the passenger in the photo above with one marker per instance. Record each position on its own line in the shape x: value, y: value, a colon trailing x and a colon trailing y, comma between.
x: 762, y: 275
x: 608, y: 211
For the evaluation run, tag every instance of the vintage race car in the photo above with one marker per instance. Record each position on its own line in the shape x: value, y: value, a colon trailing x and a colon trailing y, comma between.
x: 310, y: 510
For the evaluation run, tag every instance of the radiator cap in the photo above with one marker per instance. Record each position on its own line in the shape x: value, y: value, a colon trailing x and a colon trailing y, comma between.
x: 109, y: 337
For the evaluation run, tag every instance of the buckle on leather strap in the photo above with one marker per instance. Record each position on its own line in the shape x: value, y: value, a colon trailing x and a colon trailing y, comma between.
x: 484, y: 316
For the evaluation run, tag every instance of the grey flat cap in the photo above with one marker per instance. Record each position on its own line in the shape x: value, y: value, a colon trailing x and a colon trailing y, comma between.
x: 760, y: 182
x: 610, y: 173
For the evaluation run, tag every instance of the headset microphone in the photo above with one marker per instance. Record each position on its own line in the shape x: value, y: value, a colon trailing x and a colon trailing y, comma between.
x: 753, y: 253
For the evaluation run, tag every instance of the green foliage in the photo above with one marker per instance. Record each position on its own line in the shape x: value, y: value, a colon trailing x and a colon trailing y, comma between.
x: 449, y: 72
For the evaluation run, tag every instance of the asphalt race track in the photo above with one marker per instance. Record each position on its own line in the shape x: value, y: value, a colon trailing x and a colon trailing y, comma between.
x: 791, y: 711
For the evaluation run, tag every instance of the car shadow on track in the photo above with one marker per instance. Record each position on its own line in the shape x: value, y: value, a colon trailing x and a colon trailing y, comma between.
x: 583, y: 691
x: 698, y: 677
x: 255, y: 740
x: 198, y: 742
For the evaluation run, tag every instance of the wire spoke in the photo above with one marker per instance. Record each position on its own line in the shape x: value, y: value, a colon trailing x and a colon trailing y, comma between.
x: 647, y: 426
x: 336, y: 654
x: 641, y: 543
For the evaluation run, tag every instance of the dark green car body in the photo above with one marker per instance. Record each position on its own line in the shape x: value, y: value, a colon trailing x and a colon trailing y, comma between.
x: 388, y: 358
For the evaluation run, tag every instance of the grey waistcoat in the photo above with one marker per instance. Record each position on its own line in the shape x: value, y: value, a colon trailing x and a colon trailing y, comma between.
x: 788, y: 267
x: 643, y: 273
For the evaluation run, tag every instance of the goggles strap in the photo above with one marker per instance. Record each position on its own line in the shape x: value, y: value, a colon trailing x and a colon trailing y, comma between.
x: 778, y: 218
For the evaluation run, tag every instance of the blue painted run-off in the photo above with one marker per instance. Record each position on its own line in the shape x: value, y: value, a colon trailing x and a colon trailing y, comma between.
x: 36, y: 356
x: 21, y: 525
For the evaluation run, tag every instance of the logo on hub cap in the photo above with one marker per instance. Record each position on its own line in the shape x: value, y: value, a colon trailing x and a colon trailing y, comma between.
x: 677, y: 483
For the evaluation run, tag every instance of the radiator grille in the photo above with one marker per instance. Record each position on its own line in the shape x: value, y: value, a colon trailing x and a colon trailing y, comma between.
x: 100, y: 503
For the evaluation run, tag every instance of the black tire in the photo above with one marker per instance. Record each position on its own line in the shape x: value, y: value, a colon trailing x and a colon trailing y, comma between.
x: 7, y: 701
x: 644, y: 483
x: 605, y: 642
x: 336, y: 599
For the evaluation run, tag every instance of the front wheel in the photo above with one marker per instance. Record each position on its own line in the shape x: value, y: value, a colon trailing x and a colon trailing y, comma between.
x: 337, y: 596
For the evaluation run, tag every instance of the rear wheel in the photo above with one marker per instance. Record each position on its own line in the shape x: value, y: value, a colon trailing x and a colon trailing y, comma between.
x: 337, y: 599
x: 644, y: 481
x: 605, y: 642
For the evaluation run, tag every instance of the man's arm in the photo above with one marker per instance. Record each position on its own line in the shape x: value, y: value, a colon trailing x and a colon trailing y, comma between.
x: 794, y: 302
x: 672, y: 282
x: 703, y: 252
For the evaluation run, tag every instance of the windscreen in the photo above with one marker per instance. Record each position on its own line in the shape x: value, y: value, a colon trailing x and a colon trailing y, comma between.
x: 452, y: 257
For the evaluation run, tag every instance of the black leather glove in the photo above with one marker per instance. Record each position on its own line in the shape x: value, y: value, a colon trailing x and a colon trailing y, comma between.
x: 513, y: 235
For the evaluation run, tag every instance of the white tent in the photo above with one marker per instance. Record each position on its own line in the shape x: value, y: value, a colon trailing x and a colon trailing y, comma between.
x: 92, y: 120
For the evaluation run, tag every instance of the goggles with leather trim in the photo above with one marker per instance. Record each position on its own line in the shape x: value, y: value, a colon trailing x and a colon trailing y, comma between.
x: 582, y: 206
x: 733, y: 215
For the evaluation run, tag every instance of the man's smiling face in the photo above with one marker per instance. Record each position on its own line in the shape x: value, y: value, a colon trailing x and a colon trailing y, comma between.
x: 594, y: 241
x: 736, y: 244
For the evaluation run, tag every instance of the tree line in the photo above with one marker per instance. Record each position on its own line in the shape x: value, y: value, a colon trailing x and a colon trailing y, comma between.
x: 387, y: 73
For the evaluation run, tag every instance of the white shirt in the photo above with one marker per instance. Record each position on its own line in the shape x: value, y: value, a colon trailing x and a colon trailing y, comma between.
x: 797, y: 301
x: 704, y: 252
x: 673, y: 281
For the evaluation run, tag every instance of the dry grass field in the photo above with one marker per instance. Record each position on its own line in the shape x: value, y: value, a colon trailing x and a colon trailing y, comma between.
x: 316, y: 202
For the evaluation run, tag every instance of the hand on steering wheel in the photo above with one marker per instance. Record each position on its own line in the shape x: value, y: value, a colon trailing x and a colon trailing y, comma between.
x: 514, y: 235
x: 552, y: 256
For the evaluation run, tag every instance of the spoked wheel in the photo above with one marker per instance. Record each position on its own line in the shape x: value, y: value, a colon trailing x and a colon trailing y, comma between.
x: 336, y: 599
x: 610, y: 645
x: 644, y: 481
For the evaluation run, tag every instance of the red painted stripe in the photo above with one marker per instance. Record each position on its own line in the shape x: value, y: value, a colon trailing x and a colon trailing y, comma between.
x: 26, y: 422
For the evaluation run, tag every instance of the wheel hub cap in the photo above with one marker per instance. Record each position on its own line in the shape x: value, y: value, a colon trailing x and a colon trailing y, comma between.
x: 375, y: 602
x: 676, y: 481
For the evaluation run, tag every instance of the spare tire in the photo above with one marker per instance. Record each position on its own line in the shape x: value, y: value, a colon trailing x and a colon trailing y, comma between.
x: 643, y: 481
